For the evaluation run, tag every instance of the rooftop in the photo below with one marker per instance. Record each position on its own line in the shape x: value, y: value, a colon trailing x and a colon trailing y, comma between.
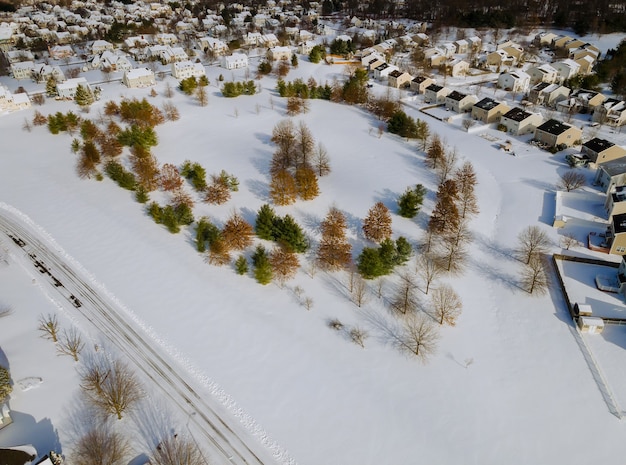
x: 516, y: 114
x: 615, y: 167
x: 598, y: 145
x: 434, y: 87
x: 456, y: 95
x: 487, y: 104
x: 553, y: 126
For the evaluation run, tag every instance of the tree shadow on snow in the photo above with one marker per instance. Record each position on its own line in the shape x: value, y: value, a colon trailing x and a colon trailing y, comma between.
x: 388, y: 198
x: 153, y: 422
x: 26, y: 430
x: 259, y: 188
x: 262, y: 164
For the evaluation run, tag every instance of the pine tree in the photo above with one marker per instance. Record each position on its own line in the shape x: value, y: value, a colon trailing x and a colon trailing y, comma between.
x: 83, y: 97
x: 262, y: 266
x: 306, y: 183
x: 377, y: 224
x: 334, y: 251
x: 283, y: 188
x: 289, y: 233
x: 466, y: 181
x: 51, y: 87
x: 370, y: 264
x: 264, y: 225
x: 241, y: 265
x: 237, y: 233
x: 410, y: 201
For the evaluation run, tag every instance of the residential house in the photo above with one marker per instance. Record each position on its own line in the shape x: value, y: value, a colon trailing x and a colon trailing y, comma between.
x: 435, y: 93
x: 111, y: 61
x: 573, y: 44
x: 499, y: 59
x: 100, y: 46
x: 16, y: 56
x: 514, y: 81
x: 42, y: 72
x: 214, y: 46
x: 616, y: 234
x: 138, y: 77
x: 566, y: 69
x: 459, y: 102
x: 560, y: 41
x: 421, y: 39
x: 548, y: 94
x: 22, y: 70
x: 166, y: 39
x: 611, y: 112
x: 488, y: 110
x: 268, y: 40
x: 59, y: 52
x: 371, y: 57
x: 462, y: 46
x: 514, y: 50
x: 611, y: 173
x: 67, y: 89
x: 374, y: 62
x: 556, y: 134
x: 448, y: 49
x: 587, y: 100
x: 542, y: 73
x: 420, y: 83
x: 235, y: 61
x: 615, y: 203
x: 585, y: 64
x: 253, y: 38
x: 600, y: 151
x: 305, y: 47
x: 436, y: 60
x: 279, y: 53
x: 519, y: 122
x: 12, y: 102
x: 475, y: 43
x: 458, y: 68
x: 136, y: 41
x: 382, y: 72
x: 544, y: 39
x: 399, y: 79
x: 187, y: 69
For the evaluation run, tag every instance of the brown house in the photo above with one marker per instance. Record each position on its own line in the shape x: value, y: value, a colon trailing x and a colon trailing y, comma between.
x: 554, y: 133
x: 420, y: 83
x: 600, y: 150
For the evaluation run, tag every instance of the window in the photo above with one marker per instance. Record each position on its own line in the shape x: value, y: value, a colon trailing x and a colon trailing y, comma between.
x: 620, y: 249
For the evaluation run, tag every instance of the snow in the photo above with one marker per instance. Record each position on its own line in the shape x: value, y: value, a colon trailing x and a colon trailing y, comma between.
x: 508, y: 384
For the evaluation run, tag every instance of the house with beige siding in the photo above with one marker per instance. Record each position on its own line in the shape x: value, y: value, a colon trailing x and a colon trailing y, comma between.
x: 139, y: 77
x: 616, y: 234
x: 610, y: 174
x: 459, y: 102
x: 519, y: 122
x: 279, y: 53
x: 399, y: 79
x: 548, y: 94
x: 488, y: 110
x: 611, y: 112
x: 615, y: 203
x: 420, y: 83
x: 435, y: 93
x: 12, y: 102
x: 542, y: 73
x: 22, y: 70
x: 554, y: 133
x: 600, y: 151
x: 514, y: 81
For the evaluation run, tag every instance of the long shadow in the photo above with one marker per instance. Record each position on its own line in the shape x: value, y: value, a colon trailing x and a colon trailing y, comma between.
x: 153, y: 422
x: 26, y: 430
x: 259, y: 188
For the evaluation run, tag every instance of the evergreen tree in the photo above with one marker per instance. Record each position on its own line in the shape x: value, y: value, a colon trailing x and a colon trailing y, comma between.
x: 334, y: 249
x: 83, y: 96
x: 377, y: 224
x: 51, y: 87
x: 262, y: 266
x: 403, y: 251
x: 294, y: 60
x: 241, y: 265
x: 264, y: 225
x: 290, y: 234
x: 410, y: 201
x: 188, y: 85
x: 206, y: 232
x: 317, y: 54
x: 369, y: 263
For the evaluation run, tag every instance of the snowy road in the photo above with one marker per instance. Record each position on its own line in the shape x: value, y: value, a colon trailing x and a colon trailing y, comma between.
x: 228, y: 441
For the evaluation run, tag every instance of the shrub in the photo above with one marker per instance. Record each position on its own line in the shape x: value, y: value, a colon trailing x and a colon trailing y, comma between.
x: 125, y: 179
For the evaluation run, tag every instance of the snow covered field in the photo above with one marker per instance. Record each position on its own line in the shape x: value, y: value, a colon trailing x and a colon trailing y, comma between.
x: 508, y: 384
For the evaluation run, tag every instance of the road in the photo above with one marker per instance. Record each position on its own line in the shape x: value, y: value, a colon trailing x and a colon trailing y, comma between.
x: 225, y: 438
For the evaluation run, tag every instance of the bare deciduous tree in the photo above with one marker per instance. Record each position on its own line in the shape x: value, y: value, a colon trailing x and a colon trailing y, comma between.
x: 49, y: 326
x: 405, y: 300
x: 428, y: 269
x: 70, y: 343
x: 571, y: 180
x: 534, y: 278
x: 465, y: 178
x: 569, y: 240
x: 202, y: 96
x: 335, y: 324
x: 358, y: 336
x: 446, y: 165
x: 177, y: 450
x: 169, y: 92
x: 308, y: 302
x: 170, y: 111
x: 531, y: 241
x: 321, y: 160
x: 359, y: 290
x: 419, y: 337
x: 468, y: 123
x: 447, y: 305
x: 111, y: 386
x: 99, y: 446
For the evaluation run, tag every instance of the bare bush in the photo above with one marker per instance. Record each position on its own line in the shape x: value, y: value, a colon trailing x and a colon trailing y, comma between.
x: 358, y: 336
x: 177, y: 450
x: 569, y: 240
x: 49, y: 326
x: 70, y: 343
x: 335, y: 324
x: 101, y: 446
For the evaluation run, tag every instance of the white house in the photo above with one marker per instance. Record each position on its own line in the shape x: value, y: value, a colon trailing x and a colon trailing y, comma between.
x: 215, y: 46
x: 566, y: 69
x: 100, y: 46
x: 41, y: 73
x: 67, y: 89
x: 58, y: 52
x: 111, y: 61
x: 22, y: 70
x: 235, y: 61
x: 139, y: 77
x: 381, y: 72
x: 187, y: 69
x: 279, y: 53
x: 514, y: 81
x: 305, y: 47
x: 542, y: 73
x: 12, y: 102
